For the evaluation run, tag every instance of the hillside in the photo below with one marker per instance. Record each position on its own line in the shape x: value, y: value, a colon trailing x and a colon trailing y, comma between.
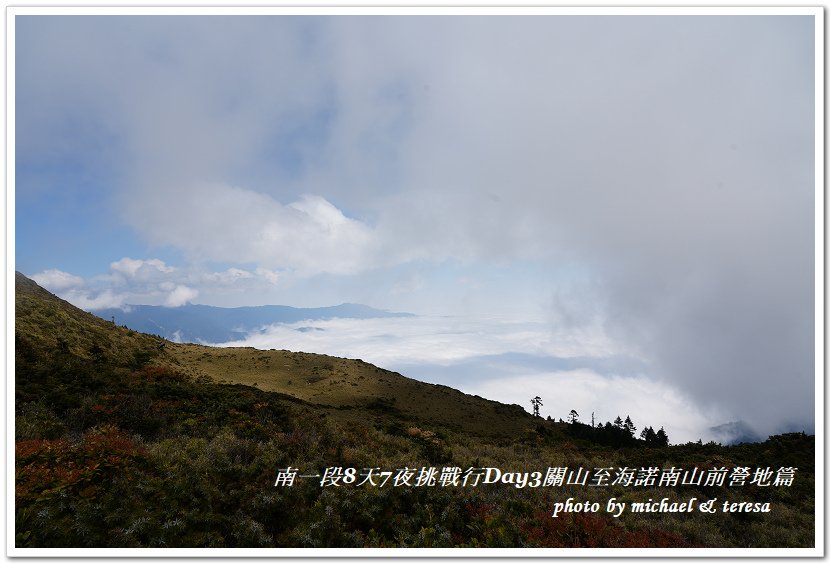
x: 125, y: 440
x: 351, y: 388
x: 337, y: 384
x: 45, y: 322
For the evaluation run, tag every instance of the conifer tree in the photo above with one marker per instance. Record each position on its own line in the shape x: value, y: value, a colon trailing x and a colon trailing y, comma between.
x: 536, y: 402
x: 629, y: 426
x: 649, y: 436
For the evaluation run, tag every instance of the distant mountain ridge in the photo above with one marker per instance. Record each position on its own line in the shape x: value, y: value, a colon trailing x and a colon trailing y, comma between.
x: 208, y: 324
x: 736, y: 432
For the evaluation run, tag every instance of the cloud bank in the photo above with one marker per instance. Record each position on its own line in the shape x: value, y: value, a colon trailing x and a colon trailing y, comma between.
x: 505, y: 361
x: 131, y: 281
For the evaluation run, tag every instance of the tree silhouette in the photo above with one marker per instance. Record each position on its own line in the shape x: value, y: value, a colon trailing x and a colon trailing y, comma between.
x: 629, y: 426
x: 573, y: 417
x: 536, y: 402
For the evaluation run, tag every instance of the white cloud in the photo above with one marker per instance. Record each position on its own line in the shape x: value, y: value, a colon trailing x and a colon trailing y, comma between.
x: 57, y: 280
x: 230, y: 276
x: 180, y: 296
x: 232, y: 224
x: 131, y: 268
x: 91, y: 300
x: 271, y: 276
x: 435, y: 340
x: 153, y: 282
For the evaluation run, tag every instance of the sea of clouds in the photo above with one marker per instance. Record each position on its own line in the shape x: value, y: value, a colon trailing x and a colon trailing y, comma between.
x: 507, y: 361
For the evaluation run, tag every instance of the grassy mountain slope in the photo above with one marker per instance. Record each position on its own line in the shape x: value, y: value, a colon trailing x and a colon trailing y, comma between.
x: 124, y: 442
x: 46, y: 322
x: 353, y: 387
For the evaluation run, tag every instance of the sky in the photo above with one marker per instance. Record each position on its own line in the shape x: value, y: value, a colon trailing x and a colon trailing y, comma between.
x: 614, y: 212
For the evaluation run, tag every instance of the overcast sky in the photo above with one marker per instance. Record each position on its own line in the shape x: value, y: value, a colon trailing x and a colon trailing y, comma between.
x: 641, y: 184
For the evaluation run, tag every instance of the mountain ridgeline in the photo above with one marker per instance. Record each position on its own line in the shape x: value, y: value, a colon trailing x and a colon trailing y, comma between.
x: 215, y: 325
x: 125, y: 439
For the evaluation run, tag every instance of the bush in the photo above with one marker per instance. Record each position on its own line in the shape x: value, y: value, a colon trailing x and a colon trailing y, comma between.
x: 36, y: 421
